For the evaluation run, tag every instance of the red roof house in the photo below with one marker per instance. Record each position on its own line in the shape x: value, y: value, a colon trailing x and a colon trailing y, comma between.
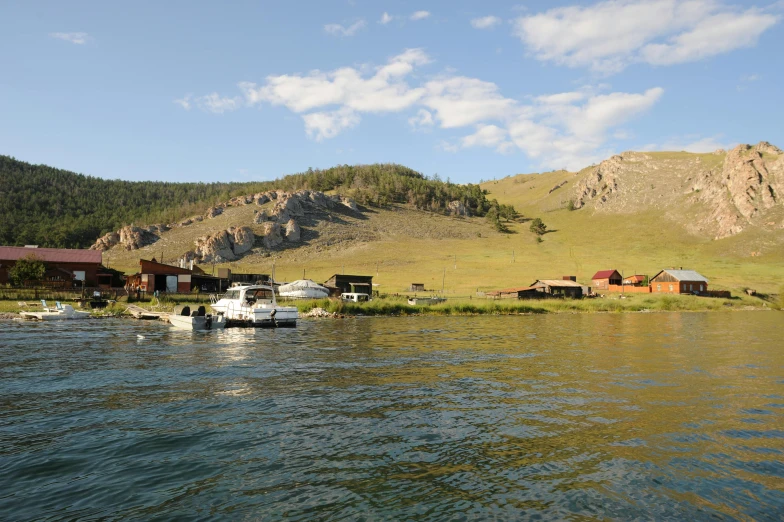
x: 604, y: 278
x: 81, y: 264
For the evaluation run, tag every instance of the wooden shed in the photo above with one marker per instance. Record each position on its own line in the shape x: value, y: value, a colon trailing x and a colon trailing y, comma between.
x: 671, y: 281
x: 556, y: 288
x: 604, y: 278
x: 345, y: 283
x: 417, y: 287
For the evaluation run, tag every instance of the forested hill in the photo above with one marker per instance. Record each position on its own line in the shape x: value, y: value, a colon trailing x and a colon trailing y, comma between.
x: 50, y: 207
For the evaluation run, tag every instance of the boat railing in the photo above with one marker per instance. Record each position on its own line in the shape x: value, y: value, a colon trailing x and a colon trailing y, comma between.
x: 213, y: 298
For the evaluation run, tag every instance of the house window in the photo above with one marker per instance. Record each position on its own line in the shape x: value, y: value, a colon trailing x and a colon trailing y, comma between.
x: 658, y: 288
x: 670, y: 288
x: 689, y: 287
x: 700, y: 288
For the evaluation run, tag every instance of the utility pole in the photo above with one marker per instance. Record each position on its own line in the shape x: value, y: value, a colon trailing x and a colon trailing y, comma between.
x: 376, y: 268
x: 455, y: 261
x: 303, y: 273
x: 513, y: 256
x: 443, y: 281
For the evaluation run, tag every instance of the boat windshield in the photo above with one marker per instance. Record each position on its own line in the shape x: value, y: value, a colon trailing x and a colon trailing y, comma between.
x: 258, y: 294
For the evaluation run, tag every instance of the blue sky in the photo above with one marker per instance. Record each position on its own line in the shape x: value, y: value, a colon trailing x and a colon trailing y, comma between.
x: 242, y: 91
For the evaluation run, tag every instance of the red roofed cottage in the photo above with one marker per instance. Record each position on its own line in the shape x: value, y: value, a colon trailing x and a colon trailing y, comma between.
x: 604, y: 278
x: 81, y: 264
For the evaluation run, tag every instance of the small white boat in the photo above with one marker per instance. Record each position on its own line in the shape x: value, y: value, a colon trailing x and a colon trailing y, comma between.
x: 59, y: 313
x: 426, y: 301
x: 197, y: 320
x: 254, y: 305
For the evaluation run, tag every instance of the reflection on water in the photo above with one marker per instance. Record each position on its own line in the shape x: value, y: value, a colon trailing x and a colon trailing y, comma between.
x: 570, y: 416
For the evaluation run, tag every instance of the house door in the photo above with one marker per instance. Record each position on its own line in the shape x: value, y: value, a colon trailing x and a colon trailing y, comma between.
x: 171, y: 284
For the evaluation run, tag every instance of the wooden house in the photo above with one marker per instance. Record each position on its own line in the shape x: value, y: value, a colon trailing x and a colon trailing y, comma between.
x: 417, y: 287
x: 67, y: 267
x: 673, y: 281
x: 344, y: 284
x: 557, y: 288
x: 635, y: 280
x: 602, y: 279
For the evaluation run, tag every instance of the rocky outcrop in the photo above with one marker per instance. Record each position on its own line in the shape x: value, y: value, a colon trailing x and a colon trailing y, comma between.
x: 215, y: 248
x: 243, y: 240
x: 348, y: 202
x: 106, y: 242
x: 272, y: 236
x: 457, y: 208
x: 557, y: 186
x: 213, y: 212
x: 748, y: 181
x: 600, y: 183
x: 261, y: 198
x: 130, y: 237
x: 240, y: 201
x: 293, y: 232
x: 260, y: 217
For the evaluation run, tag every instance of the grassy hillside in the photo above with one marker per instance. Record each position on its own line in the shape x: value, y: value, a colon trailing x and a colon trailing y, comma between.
x: 642, y: 230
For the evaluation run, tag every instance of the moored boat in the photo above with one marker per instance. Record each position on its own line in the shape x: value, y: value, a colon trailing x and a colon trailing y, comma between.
x: 60, y: 313
x: 254, y: 305
x: 197, y: 320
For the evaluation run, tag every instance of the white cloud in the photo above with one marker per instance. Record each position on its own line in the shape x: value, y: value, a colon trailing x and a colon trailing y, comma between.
x: 568, y: 129
x: 459, y: 101
x: 325, y: 125
x: 610, y: 35
x: 420, y: 15
x: 693, y: 144
x: 214, y: 103
x: 218, y: 104
x: 185, y: 102
x: 422, y: 119
x: 385, y: 18
x: 485, y: 22
x: 74, y: 38
x: 383, y: 92
x: 339, y: 30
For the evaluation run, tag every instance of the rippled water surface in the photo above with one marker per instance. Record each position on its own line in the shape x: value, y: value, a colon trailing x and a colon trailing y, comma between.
x: 619, y: 416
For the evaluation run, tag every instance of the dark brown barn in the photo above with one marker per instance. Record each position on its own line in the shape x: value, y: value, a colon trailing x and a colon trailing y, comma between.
x: 604, y: 278
x: 679, y: 282
x: 344, y: 283
x: 65, y: 266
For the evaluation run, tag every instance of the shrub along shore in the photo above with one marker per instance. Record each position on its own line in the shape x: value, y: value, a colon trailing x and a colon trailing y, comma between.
x: 392, y: 306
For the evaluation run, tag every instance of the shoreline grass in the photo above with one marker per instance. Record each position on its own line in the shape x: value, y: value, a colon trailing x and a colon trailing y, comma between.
x: 397, y: 306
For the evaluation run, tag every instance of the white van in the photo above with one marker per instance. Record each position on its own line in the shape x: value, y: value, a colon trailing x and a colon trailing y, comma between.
x: 354, y: 297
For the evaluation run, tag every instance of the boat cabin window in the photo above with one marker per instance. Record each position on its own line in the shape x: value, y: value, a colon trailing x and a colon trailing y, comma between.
x: 232, y: 294
x: 258, y: 294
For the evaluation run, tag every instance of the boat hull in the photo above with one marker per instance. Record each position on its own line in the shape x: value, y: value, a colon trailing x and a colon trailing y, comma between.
x: 198, y: 324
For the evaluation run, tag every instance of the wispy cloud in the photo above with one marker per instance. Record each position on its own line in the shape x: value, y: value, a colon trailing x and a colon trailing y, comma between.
x: 386, y: 18
x: 568, y: 129
x: 74, y: 38
x: 339, y: 30
x: 420, y: 15
x: 214, y: 103
x: 693, y: 143
x: 610, y: 35
x: 485, y: 22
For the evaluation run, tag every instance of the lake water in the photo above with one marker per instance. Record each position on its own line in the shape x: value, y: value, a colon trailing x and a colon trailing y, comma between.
x: 652, y: 416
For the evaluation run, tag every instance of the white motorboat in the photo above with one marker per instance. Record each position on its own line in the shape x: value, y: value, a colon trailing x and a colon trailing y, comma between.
x: 303, y: 289
x: 254, y: 305
x: 59, y: 313
x: 197, y: 320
